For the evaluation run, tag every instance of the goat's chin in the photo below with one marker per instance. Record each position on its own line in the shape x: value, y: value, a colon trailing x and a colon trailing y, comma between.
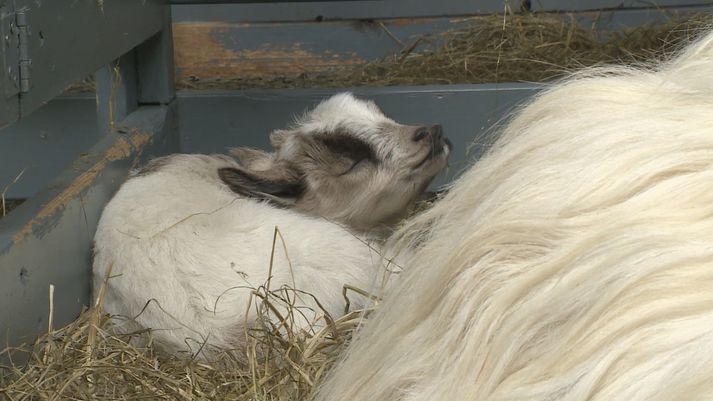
x: 429, y: 169
x: 390, y: 215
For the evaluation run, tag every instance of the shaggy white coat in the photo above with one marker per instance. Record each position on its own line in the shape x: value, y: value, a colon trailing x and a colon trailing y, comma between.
x: 574, y: 262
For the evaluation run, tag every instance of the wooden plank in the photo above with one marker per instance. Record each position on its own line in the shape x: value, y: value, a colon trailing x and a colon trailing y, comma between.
x: 155, y: 65
x: 197, y: 10
x: 71, y: 39
x: 209, y: 50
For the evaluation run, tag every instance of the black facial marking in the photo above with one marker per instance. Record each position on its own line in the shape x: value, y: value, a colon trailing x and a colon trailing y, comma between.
x: 252, y: 185
x: 348, y: 146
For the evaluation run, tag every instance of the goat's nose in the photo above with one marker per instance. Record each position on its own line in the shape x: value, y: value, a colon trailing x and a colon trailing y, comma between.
x: 437, y: 132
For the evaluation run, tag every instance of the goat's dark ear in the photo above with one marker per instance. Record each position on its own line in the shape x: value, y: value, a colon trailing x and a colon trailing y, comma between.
x: 278, y: 185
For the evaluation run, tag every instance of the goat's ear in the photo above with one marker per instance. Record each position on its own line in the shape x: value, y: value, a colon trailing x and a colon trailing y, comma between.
x: 252, y: 159
x: 279, y: 185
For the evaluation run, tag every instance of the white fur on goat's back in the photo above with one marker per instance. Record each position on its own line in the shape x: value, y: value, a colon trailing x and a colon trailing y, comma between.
x: 573, y: 262
x: 179, y: 236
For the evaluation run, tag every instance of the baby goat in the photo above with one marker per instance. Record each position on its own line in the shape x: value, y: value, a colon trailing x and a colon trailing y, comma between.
x: 189, y: 237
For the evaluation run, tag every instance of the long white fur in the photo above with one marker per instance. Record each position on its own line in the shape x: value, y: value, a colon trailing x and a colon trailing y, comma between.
x: 573, y: 262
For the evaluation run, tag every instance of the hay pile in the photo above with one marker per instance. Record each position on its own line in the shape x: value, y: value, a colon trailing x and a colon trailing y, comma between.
x: 521, y: 48
x: 87, y: 361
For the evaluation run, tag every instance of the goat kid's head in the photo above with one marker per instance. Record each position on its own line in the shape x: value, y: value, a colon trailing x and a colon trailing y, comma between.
x: 345, y: 161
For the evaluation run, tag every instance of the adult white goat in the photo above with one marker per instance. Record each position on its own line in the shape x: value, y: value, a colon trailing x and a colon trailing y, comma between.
x: 195, y: 233
x: 573, y: 262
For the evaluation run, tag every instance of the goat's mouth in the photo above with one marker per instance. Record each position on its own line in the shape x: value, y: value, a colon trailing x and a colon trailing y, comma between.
x: 441, y: 147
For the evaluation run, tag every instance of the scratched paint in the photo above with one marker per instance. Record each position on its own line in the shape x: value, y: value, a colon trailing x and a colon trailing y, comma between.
x: 122, y: 148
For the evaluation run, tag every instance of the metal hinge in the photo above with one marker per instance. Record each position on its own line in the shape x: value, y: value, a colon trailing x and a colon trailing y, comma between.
x: 17, y: 59
x: 25, y: 60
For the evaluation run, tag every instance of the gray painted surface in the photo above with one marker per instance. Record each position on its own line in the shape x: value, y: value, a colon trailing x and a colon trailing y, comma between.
x: 9, y: 85
x: 311, y: 11
x: 363, y: 39
x: 100, y: 31
x: 211, y: 122
x: 155, y: 65
x: 612, y: 20
x: 116, y: 91
x: 46, y: 143
x: 47, y: 240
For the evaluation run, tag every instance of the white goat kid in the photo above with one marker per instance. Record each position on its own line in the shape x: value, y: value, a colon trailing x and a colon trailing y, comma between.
x: 189, y: 236
x: 573, y: 262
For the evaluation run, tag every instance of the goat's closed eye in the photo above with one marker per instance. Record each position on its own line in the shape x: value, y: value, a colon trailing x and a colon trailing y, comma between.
x: 358, y: 164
